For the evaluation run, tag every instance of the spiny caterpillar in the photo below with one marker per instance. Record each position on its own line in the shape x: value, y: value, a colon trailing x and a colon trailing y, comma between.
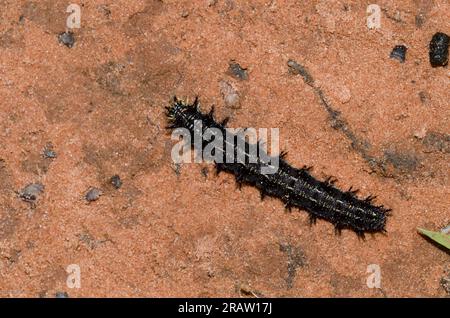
x: 295, y: 187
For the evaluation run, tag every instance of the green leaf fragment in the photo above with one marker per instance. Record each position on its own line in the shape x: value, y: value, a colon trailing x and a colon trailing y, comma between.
x: 439, y: 237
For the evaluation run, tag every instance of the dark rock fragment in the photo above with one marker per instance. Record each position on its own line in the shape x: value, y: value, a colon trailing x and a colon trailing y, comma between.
x: 116, y: 181
x: 67, y: 38
x: 439, y: 49
x: 399, y: 53
x: 237, y: 71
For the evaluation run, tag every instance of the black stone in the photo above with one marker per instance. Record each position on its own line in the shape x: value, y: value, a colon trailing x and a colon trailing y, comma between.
x: 439, y: 49
x: 116, y: 181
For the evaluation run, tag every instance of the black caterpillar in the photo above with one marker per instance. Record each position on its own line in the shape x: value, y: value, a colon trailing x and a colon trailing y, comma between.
x: 295, y: 187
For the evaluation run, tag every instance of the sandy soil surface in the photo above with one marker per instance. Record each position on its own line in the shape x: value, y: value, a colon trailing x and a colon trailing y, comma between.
x: 183, y: 231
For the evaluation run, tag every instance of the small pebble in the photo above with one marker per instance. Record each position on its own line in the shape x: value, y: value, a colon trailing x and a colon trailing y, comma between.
x: 399, y: 53
x: 237, y: 71
x: 48, y: 152
x: 61, y: 295
x: 116, y: 182
x: 93, y: 194
x: 446, y: 230
x: 229, y: 95
x: 31, y: 192
x: 67, y: 38
x: 439, y: 49
x: 421, y: 133
x: 337, y: 89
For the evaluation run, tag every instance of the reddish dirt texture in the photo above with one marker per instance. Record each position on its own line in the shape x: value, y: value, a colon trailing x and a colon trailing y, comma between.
x: 183, y: 231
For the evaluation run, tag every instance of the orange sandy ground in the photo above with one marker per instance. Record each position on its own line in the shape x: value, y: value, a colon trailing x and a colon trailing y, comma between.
x: 101, y: 105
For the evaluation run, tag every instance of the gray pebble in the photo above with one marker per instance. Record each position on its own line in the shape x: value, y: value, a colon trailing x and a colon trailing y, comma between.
x: 61, y: 295
x: 67, y: 38
x: 446, y: 230
x: 237, y: 71
x: 229, y: 94
x: 399, y: 53
x: 93, y: 194
x: 31, y: 192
